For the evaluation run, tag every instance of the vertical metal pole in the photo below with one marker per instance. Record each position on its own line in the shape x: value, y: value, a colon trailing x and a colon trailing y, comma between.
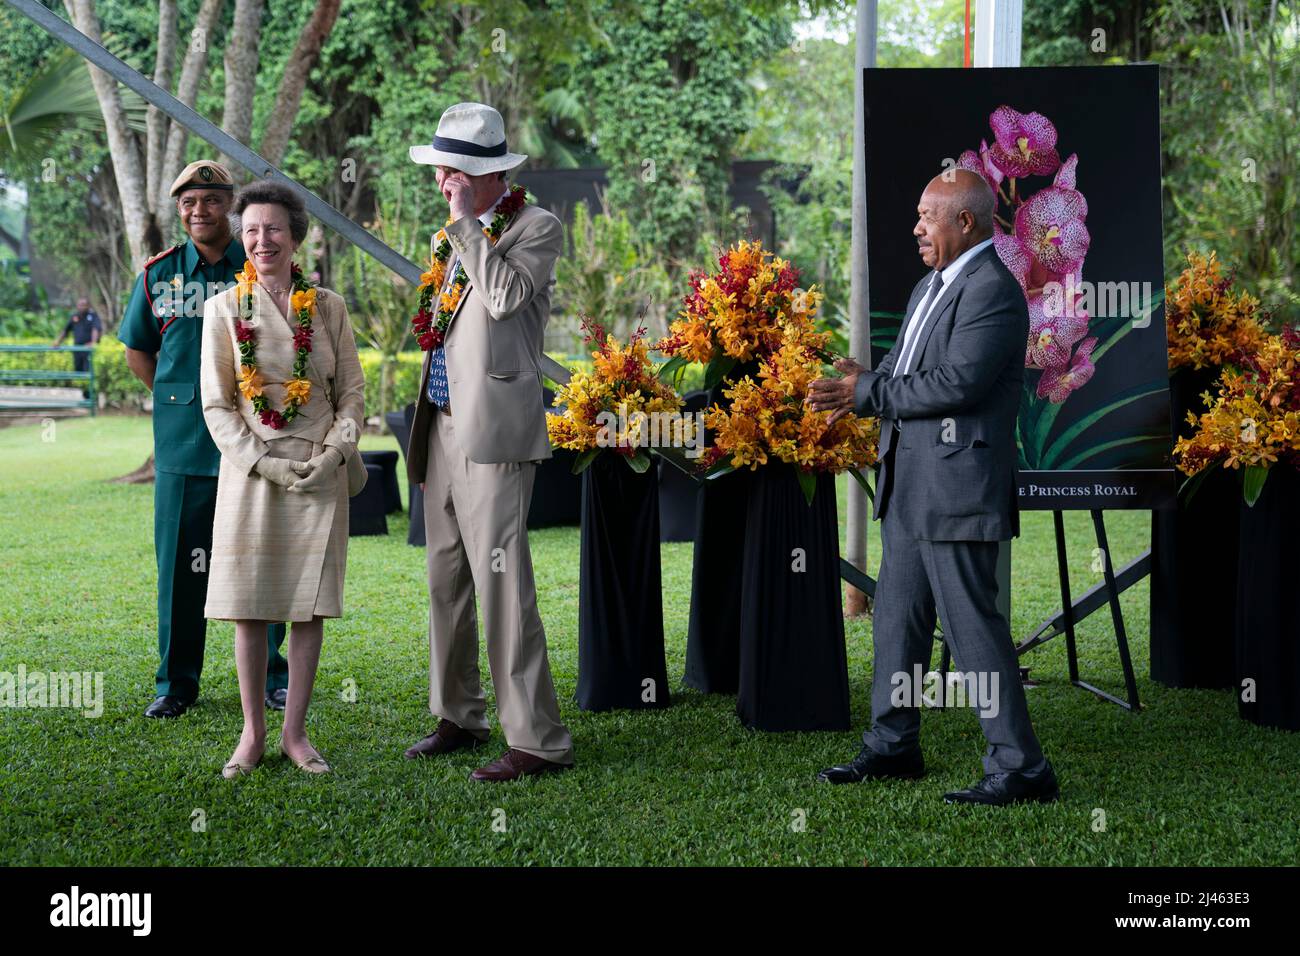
x: 997, y: 32
x: 997, y: 43
x: 855, y: 544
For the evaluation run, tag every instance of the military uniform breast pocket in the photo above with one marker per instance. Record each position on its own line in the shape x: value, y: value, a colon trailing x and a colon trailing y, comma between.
x: 175, y: 414
x: 181, y: 338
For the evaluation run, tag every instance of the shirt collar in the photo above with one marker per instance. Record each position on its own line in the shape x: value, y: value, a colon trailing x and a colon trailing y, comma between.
x: 487, y: 217
x: 955, y: 266
x: 234, y: 254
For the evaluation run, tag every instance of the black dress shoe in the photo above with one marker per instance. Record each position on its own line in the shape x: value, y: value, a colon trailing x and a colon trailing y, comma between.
x: 275, y: 699
x: 870, y: 765
x: 1001, y: 789
x: 167, y: 706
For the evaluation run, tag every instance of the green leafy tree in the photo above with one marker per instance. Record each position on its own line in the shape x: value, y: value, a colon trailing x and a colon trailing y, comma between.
x: 1231, y: 104
x: 608, y: 275
x: 670, y: 100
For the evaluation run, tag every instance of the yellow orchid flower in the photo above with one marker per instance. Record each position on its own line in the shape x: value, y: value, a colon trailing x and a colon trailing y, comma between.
x: 303, y: 300
x: 250, y: 382
x: 297, y: 390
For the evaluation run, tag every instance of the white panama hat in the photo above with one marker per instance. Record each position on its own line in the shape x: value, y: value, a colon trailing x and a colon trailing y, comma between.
x: 471, y: 137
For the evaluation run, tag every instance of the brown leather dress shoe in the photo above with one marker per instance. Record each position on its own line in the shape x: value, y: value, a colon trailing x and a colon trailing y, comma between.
x: 514, y: 764
x: 448, y: 737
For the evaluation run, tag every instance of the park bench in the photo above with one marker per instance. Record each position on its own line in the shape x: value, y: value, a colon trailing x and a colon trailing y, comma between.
x: 47, y: 384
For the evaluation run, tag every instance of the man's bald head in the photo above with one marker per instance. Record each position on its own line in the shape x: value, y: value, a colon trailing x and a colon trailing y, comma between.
x: 955, y: 213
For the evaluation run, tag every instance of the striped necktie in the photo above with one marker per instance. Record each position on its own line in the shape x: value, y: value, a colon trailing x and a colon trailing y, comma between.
x: 918, y: 325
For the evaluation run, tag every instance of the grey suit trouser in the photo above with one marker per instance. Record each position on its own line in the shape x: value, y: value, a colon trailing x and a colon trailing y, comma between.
x: 959, y: 579
x: 475, y: 527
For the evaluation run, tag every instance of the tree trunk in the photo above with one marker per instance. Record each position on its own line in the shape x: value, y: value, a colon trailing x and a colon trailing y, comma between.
x: 141, y: 476
x: 156, y: 133
x: 241, y: 72
x: 123, y: 147
x: 187, y: 90
x: 305, y: 54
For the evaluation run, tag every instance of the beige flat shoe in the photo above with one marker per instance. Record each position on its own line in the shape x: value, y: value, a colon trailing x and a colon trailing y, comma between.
x: 313, y: 764
x: 235, y: 769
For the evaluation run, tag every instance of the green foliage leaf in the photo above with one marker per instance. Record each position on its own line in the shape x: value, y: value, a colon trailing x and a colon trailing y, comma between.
x: 861, y: 479
x: 1192, y: 485
x: 585, y: 459
x: 672, y: 370
x: 1127, y: 397
x: 807, y: 483
x: 1253, y: 483
x: 717, y: 369
x: 640, y: 462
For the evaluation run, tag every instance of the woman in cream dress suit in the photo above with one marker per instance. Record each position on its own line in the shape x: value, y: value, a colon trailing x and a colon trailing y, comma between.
x: 280, y: 536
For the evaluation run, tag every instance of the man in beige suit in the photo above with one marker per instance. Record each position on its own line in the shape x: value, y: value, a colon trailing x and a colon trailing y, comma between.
x: 478, y: 432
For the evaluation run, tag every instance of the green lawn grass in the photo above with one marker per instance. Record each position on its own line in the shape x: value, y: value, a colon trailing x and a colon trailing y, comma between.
x: 1184, y: 782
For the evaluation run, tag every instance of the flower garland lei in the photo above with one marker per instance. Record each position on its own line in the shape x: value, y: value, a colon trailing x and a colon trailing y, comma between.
x: 429, y: 326
x: 297, y: 390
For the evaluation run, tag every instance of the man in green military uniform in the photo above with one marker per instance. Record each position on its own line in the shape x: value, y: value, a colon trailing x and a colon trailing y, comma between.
x: 162, y: 331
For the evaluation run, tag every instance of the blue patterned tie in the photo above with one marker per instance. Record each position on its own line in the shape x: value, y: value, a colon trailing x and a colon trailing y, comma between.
x: 437, y: 388
x: 438, y: 393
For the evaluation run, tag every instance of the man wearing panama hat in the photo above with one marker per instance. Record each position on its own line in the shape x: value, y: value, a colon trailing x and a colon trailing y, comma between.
x: 478, y: 431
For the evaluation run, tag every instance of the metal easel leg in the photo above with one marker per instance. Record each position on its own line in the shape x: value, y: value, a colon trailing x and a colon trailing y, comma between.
x: 1117, y: 618
x: 1063, y: 569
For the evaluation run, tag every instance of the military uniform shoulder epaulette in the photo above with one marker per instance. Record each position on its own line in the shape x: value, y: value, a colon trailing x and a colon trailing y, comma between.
x: 148, y: 296
x: 165, y: 252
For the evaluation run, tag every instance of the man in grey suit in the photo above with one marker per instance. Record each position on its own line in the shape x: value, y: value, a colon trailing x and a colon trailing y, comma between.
x: 947, y: 396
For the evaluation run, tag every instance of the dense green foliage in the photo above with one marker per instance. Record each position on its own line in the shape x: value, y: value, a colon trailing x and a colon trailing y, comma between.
x: 666, y: 94
x: 669, y: 100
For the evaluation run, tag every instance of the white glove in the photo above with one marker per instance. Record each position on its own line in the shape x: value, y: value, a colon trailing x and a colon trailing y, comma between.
x: 278, y: 470
x: 316, y: 472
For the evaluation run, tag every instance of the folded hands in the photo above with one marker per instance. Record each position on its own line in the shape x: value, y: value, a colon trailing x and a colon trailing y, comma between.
x: 301, y: 476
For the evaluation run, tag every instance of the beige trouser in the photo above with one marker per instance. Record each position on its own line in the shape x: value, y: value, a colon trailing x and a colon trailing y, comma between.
x: 477, y: 541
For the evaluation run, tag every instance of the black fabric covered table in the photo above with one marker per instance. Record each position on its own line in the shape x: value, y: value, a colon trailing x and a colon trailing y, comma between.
x: 387, y: 460
x: 1268, y: 603
x: 678, y: 491
x: 557, y: 491
x: 399, y: 423
x: 1194, y: 564
x: 366, y: 512
x: 620, y: 596
x: 793, y: 664
x: 713, y: 635
x: 678, y: 502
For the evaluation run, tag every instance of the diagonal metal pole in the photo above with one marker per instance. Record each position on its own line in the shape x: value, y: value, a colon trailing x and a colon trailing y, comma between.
x: 205, y: 129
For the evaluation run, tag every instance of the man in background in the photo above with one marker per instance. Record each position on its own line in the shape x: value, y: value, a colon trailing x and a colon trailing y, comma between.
x: 86, y: 329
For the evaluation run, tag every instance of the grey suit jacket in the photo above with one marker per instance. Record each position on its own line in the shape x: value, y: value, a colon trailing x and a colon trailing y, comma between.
x: 951, y: 421
x: 494, y: 343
